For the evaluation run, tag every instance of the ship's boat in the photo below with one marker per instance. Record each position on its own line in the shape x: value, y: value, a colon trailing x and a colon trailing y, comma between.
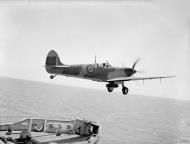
x: 49, y: 131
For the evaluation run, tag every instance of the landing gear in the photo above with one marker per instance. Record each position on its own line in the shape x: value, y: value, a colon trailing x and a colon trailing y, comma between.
x: 111, y: 86
x: 110, y: 89
x: 52, y: 76
x: 125, y: 90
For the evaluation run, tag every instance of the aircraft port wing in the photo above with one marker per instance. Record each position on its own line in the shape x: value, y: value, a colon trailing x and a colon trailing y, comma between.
x: 136, y: 78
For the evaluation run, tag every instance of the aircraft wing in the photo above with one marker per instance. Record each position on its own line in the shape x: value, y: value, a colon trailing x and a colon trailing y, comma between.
x: 136, y: 78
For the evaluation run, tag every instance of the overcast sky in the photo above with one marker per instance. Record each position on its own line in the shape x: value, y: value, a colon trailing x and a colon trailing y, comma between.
x: 116, y: 31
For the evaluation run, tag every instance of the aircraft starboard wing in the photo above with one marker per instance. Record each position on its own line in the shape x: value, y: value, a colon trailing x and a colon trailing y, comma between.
x: 136, y: 78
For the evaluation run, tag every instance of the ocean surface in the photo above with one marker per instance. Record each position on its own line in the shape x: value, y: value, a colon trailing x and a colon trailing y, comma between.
x: 131, y: 119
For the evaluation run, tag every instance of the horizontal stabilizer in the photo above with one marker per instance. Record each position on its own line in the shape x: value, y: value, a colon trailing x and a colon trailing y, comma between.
x: 58, y: 66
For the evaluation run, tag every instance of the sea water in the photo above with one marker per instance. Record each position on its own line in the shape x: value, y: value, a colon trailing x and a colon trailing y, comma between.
x: 129, y: 119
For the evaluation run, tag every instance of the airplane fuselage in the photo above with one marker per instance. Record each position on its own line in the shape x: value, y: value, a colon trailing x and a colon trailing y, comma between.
x: 95, y: 72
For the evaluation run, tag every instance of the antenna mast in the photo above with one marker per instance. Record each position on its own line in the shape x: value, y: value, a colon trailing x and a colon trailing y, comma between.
x: 95, y: 59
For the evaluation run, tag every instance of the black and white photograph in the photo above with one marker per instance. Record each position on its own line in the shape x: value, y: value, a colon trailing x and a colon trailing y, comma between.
x: 94, y: 72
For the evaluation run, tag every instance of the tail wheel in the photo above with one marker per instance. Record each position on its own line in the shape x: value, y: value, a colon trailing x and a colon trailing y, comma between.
x: 110, y: 89
x: 125, y: 90
x: 52, y: 76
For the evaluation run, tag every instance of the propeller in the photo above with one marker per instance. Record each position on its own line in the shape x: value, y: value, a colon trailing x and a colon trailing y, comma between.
x: 140, y: 71
x: 135, y: 63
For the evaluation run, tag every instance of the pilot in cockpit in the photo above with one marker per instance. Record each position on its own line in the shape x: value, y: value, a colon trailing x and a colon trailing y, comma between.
x: 106, y: 64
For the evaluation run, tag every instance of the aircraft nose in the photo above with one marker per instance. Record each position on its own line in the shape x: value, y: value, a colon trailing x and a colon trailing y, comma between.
x: 130, y: 71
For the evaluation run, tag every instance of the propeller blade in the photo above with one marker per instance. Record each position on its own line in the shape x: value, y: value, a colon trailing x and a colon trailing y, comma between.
x: 136, y: 62
x: 140, y: 71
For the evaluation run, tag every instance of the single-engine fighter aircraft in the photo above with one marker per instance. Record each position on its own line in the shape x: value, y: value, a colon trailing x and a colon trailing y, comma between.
x: 103, y: 72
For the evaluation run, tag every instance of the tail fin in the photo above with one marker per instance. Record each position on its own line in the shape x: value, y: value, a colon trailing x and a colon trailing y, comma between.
x: 52, y: 59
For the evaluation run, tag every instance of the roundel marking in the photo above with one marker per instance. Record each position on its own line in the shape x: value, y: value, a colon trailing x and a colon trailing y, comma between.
x: 90, y: 69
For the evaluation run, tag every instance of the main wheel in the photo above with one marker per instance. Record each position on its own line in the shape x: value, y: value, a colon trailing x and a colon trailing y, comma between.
x: 110, y: 89
x: 125, y: 90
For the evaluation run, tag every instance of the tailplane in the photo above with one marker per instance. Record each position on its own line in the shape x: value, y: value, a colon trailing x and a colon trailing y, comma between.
x: 52, y: 59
